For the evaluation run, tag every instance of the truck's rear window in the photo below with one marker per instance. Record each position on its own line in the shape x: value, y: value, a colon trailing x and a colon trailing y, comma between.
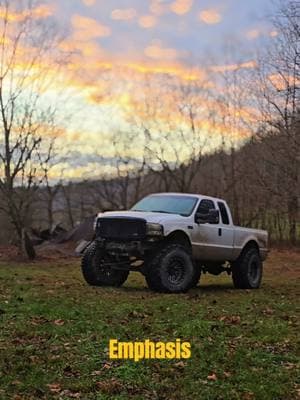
x: 224, y: 213
x: 182, y: 205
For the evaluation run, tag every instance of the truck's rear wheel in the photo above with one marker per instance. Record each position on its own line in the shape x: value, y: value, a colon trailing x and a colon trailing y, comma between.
x: 96, y: 272
x: 171, y: 270
x: 247, y: 270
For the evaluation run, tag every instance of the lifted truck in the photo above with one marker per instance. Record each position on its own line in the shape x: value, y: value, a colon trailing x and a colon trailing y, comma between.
x: 171, y: 238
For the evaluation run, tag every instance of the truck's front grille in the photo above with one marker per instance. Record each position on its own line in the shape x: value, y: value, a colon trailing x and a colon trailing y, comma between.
x: 121, y: 228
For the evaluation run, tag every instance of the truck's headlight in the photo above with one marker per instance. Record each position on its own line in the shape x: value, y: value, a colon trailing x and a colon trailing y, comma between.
x: 154, y: 229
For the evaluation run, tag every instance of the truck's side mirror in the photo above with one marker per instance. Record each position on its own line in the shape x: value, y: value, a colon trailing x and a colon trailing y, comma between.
x: 212, y: 217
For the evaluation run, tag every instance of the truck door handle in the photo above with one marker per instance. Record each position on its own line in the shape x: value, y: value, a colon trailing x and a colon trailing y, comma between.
x: 220, y: 231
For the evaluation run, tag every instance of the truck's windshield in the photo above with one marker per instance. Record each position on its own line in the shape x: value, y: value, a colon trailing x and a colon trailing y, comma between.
x: 182, y: 205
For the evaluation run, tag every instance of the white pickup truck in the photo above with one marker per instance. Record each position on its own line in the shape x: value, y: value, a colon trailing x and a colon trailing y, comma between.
x: 171, y: 238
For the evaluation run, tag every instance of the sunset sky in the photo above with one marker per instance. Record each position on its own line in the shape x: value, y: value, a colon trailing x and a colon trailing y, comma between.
x: 119, y: 46
x: 163, y: 30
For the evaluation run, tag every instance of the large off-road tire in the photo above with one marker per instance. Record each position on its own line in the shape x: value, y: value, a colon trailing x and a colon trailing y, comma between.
x: 97, y: 274
x: 171, y: 270
x: 247, y: 270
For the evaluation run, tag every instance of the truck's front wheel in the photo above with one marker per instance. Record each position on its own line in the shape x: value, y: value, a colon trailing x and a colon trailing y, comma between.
x: 171, y: 270
x: 247, y: 270
x: 95, y: 270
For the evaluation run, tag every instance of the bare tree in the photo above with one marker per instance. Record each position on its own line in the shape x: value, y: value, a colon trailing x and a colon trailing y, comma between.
x: 121, y: 184
x: 172, y: 118
x: 52, y: 183
x: 27, y: 50
x: 279, y: 103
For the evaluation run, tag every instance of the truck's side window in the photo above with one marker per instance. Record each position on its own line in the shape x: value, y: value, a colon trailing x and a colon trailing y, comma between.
x: 224, y: 213
x: 205, y: 206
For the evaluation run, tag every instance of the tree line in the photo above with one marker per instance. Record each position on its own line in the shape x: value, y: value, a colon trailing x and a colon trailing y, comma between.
x: 233, y: 133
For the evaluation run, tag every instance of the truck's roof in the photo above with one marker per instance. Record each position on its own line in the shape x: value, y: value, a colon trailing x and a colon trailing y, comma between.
x: 202, y: 196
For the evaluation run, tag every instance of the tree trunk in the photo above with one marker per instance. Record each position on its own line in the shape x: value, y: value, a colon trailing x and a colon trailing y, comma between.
x: 27, y: 246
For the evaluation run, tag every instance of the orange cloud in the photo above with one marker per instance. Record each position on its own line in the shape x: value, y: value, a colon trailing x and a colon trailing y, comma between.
x: 179, y: 71
x: 253, y: 34
x: 127, y: 77
x: 157, y: 52
x: 210, y: 16
x: 90, y: 49
x: 123, y: 14
x: 158, y: 8
x: 181, y: 7
x: 273, y: 33
x: 282, y: 82
x: 88, y: 28
x: 43, y: 11
x: 147, y: 21
x: 233, y: 67
x: 89, y: 3
x: 39, y: 12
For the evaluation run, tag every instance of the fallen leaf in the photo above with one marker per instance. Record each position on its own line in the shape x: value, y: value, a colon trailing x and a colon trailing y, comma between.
x: 134, y: 314
x: 107, y: 365
x: 110, y: 386
x: 212, y: 377
x: 54, y: 357
x: 59, y: 322
x: 248, y: 396
x: 289, y: 365
x: 70, y: 394
x: 180, y: 364
x: 234, y: 319
x: 68, y: 371
x: 54, y: 387
x: 268, y: 311
x: 95, y: 373
x: 38, y: 320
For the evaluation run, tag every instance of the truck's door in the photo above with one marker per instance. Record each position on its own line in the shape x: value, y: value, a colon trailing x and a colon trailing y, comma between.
x: 213, y: 241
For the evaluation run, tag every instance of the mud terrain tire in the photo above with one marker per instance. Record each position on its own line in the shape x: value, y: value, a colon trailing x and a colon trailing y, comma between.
x: 247, y: 270
x: 95, y: 273
x: 171, y: 270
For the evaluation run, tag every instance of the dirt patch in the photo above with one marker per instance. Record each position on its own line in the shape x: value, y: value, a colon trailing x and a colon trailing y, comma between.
x: 9, y: 252
x: 44, y: 252
x: 284, y: 262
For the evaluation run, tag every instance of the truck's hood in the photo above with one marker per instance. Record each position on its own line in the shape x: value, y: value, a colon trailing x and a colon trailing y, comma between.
x: 148, y: 216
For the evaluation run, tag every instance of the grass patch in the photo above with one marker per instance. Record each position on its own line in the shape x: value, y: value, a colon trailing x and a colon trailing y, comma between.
x: 55, y: 331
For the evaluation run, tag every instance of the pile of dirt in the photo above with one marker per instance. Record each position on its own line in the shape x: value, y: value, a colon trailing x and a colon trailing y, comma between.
x: 55, y: 243
x: 54, y: 251
x: 83, y: 231
x: 64, y: 244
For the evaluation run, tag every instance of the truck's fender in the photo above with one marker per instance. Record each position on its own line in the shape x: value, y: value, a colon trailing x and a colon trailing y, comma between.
x: 180, y: 237
x: 250, y: 241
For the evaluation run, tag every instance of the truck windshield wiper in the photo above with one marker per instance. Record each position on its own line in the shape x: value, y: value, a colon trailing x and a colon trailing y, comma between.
x: 163, y: 212
x: 158, y: 211
x: 169, y: 212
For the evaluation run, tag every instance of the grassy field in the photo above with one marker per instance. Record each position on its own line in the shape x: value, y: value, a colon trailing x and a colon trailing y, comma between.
x: 55, y: 332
